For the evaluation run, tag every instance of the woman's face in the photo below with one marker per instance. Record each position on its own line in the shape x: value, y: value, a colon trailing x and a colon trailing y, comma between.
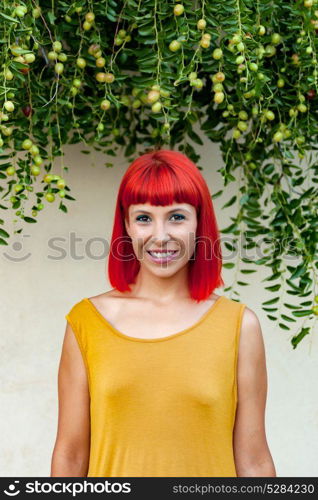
x: 159, y: 229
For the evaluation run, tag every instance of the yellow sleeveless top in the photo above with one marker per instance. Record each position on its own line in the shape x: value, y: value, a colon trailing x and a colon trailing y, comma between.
x: 164, y: 406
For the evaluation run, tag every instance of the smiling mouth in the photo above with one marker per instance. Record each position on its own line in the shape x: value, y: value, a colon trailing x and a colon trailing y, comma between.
x: 162, y: 254
x: 161, y: 251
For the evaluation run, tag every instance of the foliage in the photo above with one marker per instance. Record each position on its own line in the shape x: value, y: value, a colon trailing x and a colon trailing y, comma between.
x: 118, y: 74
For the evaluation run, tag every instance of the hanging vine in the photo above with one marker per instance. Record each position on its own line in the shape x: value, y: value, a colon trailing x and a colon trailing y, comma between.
x: 114, y: 75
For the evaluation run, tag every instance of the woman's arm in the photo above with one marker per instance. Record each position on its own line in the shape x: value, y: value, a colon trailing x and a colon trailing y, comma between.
x: 251, y: 451
x: 70, y: 456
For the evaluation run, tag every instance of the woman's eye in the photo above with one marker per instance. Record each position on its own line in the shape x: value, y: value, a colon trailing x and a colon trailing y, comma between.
x: 178, y: 215
x: 140, y: 218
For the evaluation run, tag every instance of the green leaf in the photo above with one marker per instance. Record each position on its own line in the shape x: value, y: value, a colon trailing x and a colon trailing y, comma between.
x: 244, y: 199
x: 305, y: 312
x: 297, y: 338
x: 4, y: 233
x: 195, y: 137
x: 230, y: 202
x: 290, y: 306
x: 284, y: 327
x: 271, y: 301
x: 51, y: 16
x: 287, y: 318
x: 273, y: 288
x: 63, y: 207
x: 9, y: 18
x: 229, y: 229
x: 217, y: 194
x: 272, y: 318
x: 29, y: 219
x: 300, y: 270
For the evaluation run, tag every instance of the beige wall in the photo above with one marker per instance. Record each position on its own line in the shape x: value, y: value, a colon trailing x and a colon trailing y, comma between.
x: 37, y: 292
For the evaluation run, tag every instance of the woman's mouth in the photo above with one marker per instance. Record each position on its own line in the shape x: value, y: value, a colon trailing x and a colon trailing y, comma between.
x: 163, y: 256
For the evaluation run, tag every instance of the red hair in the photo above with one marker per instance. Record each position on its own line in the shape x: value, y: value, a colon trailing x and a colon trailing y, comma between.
x: 164, y: 177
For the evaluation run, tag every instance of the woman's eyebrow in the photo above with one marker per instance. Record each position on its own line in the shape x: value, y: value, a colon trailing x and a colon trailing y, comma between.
x: 173, y: 210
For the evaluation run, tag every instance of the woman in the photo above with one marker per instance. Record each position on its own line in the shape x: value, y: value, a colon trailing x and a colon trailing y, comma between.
x: 160, y: 376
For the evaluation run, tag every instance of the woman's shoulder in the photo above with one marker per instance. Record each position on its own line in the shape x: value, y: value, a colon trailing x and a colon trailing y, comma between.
x: 236, y: 303
x: 105, y: 296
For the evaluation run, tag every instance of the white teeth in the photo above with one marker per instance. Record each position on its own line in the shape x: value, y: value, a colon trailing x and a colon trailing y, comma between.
x: 161, y: 254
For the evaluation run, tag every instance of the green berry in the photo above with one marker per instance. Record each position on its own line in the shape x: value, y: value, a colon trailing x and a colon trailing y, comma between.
x: 315, y: 310
x: 174, y: 45
x: 242, y: 126
x: 253, y: 66
x: 278, y: 136
x: 153, y: 96
x: 57, y: 46
x: 217, y: 54
x: 105, y: 104
x: 50, y: 197
x: 197, y: 83
x: 236, y: 38
x: 27, y: 144
x: 48, y: 178
x: 18, y: 188
x: 35, y: 170
x: 219, y: 97
x: 80, y: 62
x: 269, y: 115
x: 261, y: 30
x: 10, y: 170
x: 302, y: 107
x: 37, y: 160
x: 156, y: 107
x: 218, y: 87
x: 59, y: 68
x: 20, y: 11
x: 34, y: 150
x: 62, y: 57
x: 36, y: 12
x: 243, y: 115
x: 239, y: 59
x: 29, y: 58
x: 77, y: 83
x: 52, y: 56
x: 201, y: 24
x: 178, y: 9
x: 9, y: 106
x: 276, y: 38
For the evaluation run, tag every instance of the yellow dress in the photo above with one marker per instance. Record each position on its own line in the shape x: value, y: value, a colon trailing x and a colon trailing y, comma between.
x: 161, y: 407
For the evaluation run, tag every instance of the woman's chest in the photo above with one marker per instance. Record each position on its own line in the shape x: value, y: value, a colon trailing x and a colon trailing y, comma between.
x: 145, y: 321
x: 184, y: 369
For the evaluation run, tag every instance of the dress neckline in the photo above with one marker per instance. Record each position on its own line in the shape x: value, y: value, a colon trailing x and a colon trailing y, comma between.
x: 156, y: 339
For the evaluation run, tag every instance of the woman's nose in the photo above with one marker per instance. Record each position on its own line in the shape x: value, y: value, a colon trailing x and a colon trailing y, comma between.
x: 160, y: 232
